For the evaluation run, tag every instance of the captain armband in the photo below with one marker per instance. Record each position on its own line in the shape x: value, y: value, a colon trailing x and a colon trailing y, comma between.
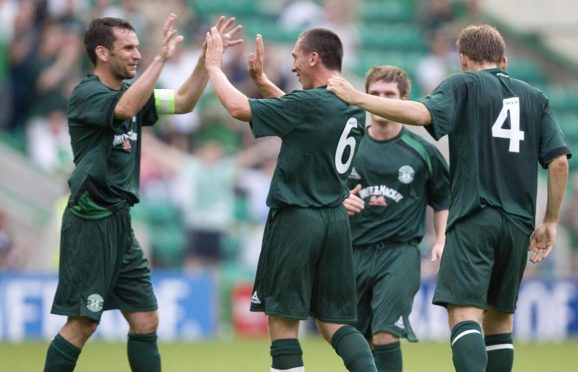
x: 165, y: 101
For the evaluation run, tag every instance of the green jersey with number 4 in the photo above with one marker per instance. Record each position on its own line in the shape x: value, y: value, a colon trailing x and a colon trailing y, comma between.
x: 320, y: 134
x: 500, y: 129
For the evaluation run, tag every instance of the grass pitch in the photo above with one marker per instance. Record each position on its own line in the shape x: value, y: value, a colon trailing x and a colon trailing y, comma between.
x: 252, y: 355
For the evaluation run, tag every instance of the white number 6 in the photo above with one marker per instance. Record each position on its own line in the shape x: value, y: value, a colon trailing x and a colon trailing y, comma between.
x: 344, y: 142
x: 514, y: 134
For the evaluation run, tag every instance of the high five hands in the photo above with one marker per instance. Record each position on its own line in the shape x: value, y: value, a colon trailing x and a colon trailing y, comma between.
x: 218, y: 39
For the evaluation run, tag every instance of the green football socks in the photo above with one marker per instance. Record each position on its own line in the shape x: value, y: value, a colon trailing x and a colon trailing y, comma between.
x: 500, y: 350
x: 286, y: 354
x: 468, y: 348
x: 388, y: 357
x: 352, y: 347
x: 61, y: 355
x: 143, y: 352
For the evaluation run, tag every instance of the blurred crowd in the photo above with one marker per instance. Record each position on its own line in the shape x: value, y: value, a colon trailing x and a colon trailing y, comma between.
x: 204, y: 179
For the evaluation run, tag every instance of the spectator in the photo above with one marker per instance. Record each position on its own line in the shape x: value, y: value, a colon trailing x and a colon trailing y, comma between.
x: 205, y: 192
x: 8, y: 259
x: 22, y: 49
x: 439, y: 63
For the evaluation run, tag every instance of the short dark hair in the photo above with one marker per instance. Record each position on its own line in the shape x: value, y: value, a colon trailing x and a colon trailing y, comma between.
x: 482, y: 43
x: 326, y: 44
x: 100, y: 32
x: 389, y: 74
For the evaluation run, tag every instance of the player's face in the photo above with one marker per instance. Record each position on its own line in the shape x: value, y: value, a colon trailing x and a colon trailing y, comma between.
x: 301, y: 66
x: 124, y: 56
x: 385, y: 89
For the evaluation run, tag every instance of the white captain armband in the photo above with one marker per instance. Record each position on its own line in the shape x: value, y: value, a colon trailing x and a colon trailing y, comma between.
x: 165, y: 101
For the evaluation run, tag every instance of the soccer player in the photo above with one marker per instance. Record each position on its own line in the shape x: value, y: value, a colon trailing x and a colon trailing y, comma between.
x: 396, y: 175
x: 102, y: 265
x: 500, y: 129
x: 305, y: 266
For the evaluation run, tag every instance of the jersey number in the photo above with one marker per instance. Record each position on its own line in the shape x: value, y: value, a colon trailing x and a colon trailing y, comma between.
x: 345, y: 141
x: 510, y: 106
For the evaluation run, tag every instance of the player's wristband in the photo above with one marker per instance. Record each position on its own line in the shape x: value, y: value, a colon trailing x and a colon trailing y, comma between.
x: 165, y: 101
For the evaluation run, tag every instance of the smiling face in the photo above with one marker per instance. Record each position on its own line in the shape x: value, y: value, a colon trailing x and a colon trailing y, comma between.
x: 387, y: 89
x: 301, y: 66
x: 124, y: 56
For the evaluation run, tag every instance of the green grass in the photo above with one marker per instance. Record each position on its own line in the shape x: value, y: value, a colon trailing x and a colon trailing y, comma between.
x: 252, y: 355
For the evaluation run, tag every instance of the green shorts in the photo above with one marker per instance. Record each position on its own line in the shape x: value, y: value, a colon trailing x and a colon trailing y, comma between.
x: 388, y: 277
x: 306, y: 267
x: 102, y: 267
x: 483, y: 261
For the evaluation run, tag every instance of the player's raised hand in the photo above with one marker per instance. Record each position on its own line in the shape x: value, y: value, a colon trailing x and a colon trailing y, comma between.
x: 228, y: 34
x: 170, y: 39
x: 542, y: 242
x: 215, y: 48
x: 354, y: 204
x: 342, y: 88
x: 256, y: 60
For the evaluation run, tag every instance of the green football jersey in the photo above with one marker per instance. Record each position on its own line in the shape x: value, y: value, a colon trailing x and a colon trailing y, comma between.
x: 106, y: 151
x: 399, y: 178
x: 320, y: 134
x: 500, y: 129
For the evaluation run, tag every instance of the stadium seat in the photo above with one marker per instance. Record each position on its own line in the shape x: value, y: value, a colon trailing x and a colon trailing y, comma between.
x: 166, y: 232
x: 270, y: 30
x: 527, y: 70
x: 386, y: 11
x: 406, y: 60
x: 208, y: 9
x: 562, y: 99
x: 568, y: 122
x: 397, y: 37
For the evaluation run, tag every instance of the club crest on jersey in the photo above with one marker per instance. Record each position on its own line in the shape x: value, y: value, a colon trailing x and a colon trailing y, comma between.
x: 94, y: 302
x: 405, y: 174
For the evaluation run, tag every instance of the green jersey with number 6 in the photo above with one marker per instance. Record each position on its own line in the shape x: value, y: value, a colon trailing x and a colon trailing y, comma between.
x: 499, y: 129
x: 320, y: 134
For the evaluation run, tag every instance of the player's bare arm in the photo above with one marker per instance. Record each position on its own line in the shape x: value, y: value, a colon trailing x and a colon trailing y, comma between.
x: 440, y: 219
x: 257, y: 73
x: 354, y: 204
x: 188, y: 94
x: 400, y: 111
x: 544, y: 237
x: 233, y: 99
x: 139, y: 93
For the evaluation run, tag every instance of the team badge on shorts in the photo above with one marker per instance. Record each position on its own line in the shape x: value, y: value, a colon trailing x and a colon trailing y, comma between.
x: 405, y: 174
x: 94, y: 303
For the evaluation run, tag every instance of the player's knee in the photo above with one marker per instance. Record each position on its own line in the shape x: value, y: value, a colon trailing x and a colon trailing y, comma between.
x: 384, y: 338
x: 327, y: 330
x: 79, y: 329
x: 143, y: 323
x: 496, y: 322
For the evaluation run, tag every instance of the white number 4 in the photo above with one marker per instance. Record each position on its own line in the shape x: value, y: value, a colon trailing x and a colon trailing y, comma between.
x: 514, y: 134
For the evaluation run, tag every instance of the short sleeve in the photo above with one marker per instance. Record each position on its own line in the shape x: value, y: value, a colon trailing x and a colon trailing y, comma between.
x: 149, y: 112
x: 439, y: 184
x: 93, y: 104
x: 444, y: 105
x: 552, y: 139
x: 278, y: 116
